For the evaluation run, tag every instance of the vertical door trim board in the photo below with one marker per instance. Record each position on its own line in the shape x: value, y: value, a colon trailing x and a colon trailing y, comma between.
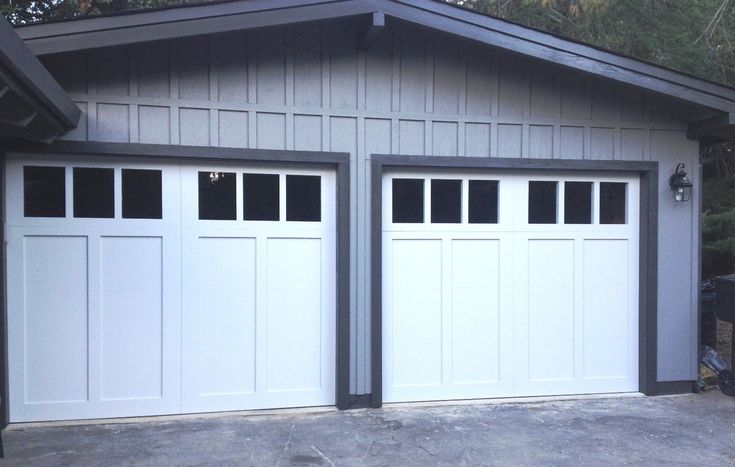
x: 5, y: 405
x: 338, y: 161
x: 648, y: 244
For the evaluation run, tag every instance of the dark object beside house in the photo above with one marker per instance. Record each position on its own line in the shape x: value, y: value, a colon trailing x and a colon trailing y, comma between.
x: 725, y: 305
x: 725, y: 298
x: 714, y: 362
x: 708, y: 319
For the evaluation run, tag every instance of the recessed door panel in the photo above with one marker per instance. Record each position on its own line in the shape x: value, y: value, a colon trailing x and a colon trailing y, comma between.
x: 131, y: 273
x: 55, y: 319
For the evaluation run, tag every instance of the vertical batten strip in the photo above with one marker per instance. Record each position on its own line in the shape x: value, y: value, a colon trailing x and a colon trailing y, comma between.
x: 174, y: 92
x: 430, y: 77
x: 252, y: 92
x: 326, y: 98
x: 462, y: 103
x: 493, y: 140
x: 133, y: 90
x: 290, y: 88
x: 92, y: 101
x: 396, y: 74
x: 495, y: 86
x: 213, y: 69
x: 361, y: 79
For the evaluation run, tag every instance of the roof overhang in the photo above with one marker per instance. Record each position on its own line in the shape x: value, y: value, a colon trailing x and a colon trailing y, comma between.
x: 144, y: 26
x: 33, y: 105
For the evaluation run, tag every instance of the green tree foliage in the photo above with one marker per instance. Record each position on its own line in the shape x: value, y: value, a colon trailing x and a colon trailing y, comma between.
x: 34, y: 11
x: 718, y: 218
x: 694, y: 36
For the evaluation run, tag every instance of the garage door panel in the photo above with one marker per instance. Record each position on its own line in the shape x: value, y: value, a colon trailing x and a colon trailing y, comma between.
x: 417, y: 321
x: 605, y: 312
x: 55, y: 319
x: 146, y: 309
x: 131, y: 317
x: 227, y: 278
x: 607, y: 309
x: 550, y: 309
x: 550, y: 262
x: 475, y: 311
x: 270, y: 278
x: 606, y: 262
x: 294, y: 314
x: 526, y: 308
x: 605, y: 358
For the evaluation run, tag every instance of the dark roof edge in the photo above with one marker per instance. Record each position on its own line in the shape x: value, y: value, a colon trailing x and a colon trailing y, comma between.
x: 247, y: 14
x: 591, y: 48
x: 31, y: 74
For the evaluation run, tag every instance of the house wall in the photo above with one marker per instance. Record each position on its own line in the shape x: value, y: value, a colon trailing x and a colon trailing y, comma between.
x: 414, y: 92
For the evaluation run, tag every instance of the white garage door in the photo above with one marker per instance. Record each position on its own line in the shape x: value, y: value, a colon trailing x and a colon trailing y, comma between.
x: 142, y: 289
x: 500, y: 285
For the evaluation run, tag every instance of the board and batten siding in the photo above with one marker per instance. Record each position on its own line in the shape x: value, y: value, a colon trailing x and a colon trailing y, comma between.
x: 415, y: 92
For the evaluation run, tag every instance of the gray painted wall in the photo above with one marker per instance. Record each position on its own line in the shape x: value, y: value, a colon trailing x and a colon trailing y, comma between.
x: 307, y: 87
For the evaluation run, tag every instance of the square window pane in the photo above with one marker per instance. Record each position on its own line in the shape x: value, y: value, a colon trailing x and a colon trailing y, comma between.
x: 94, y: 192
x: 578, y: 202
x: 260, y: 197
x: 303, y: 198
x: 542, y: 202
x: 408, y: 200
x: 217, y: 196
x: 612, y: 202
x: 44, y: 193
x: 141, y: 194
x: 483, y: 202
x: 446, y: 201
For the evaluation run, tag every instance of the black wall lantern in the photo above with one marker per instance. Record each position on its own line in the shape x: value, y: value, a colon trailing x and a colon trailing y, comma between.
x: 680, y: 184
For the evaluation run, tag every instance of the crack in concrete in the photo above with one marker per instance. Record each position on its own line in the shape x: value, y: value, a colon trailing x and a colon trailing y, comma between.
x: 321, y: 454
x: 286, y: 444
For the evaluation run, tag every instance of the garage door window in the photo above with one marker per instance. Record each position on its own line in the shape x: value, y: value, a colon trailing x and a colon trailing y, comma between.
x: 303, y: 198
x: 44, y: 192
x: 408, y: 200
x: 542, y: 202
x: 446, y: 201
x: 578, y: 202
x: 141, y: 194
x: 260, y: 197
x: 483, y: 202
x: 217, y: 196
x: 612, y: 203
x: 94, y: 193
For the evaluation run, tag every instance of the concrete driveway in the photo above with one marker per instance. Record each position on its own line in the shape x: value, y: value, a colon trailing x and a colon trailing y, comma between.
x: 680, y: 430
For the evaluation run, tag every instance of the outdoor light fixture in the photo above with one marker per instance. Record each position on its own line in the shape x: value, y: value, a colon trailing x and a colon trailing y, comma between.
x: 680, y: 184
x: 215, y: 177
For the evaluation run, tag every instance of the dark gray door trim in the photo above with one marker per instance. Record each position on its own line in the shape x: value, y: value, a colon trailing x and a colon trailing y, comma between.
x: 648, y: 250
x: 339, y: 161
x: 4, y: 378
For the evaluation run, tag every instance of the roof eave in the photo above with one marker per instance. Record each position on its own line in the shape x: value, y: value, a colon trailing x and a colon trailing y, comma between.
x: 32, y: 104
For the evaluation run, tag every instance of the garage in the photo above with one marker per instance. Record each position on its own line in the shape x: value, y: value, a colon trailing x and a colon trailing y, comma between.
x: 157, y: 287
x: 508, y: 283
